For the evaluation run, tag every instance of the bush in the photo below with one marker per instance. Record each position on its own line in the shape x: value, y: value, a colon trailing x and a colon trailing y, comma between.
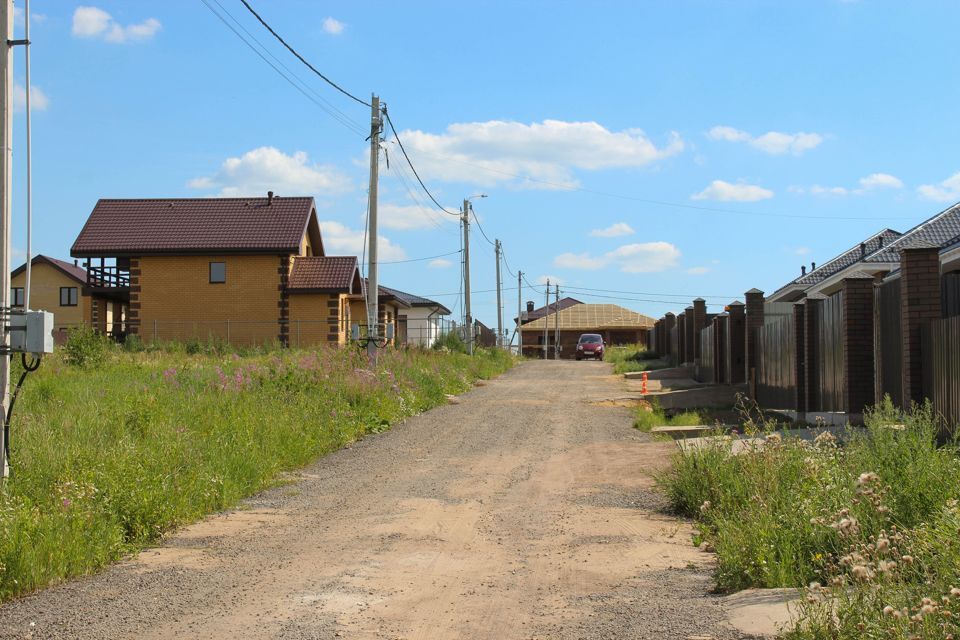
x: 451, y: 341
x: 85, y: 347
x: 132, y: 343
x: 654, y: 416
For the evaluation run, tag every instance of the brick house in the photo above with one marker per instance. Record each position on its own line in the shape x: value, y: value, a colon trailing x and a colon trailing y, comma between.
x: 60, y: 287
x: 248, y: 270
x: 421, y: 322
x: 616, y: 324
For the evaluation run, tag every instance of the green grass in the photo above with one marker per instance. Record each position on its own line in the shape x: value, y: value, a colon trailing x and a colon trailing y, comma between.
x: 646, y: 418
x: 116, y: 449
x: 633, y: 358
x: 792, y: 513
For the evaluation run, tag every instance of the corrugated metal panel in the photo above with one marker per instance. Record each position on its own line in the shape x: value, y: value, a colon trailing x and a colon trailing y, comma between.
x: 705, y: 363
x: 888, y: 342
x: 776, y: 361
x: 950, y: 288
x: 829, y: 395
x: 941, y: 368
x: 674, y: 344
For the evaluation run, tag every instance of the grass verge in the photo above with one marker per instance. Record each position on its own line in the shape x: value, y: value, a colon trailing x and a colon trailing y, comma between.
x: 871, y: 527
x: 633, y: 358
x: 112, y: 449
x: 654, y: 416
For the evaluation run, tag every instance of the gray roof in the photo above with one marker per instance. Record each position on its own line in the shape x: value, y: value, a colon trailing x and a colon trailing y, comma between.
x: 415, y: 300
x: 939, y: 231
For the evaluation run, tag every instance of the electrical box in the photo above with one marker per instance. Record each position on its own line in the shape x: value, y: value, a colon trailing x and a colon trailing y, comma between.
x: 31, y: 332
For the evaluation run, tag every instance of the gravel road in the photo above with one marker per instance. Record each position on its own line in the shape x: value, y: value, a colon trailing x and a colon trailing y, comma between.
x: 525, y: 509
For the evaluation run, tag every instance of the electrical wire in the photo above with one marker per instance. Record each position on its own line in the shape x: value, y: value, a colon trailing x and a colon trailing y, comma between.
x: 28, y: 367
x: 301, y: 58
x: 332, y: 111
x: 482, y: 232
x: 442, y: 255
x: 410, y: 163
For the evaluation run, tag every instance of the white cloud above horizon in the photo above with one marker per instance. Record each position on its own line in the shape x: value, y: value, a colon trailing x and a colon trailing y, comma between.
x: 95, y: 23
x: 644, y: 257
x: 539, y: 155
x: 439, y: 263
x: 698, y: 271
x: 945, y: 191
x: 553, y: 280
x: 333, y: 26
x: 615, y: 230
x: 38, y: 99
x: 269, y: 169
x: 339, y: 239
x: 724, y: 191
x: 772, y: 142
x: 867, y: 184
x: 411, y: 217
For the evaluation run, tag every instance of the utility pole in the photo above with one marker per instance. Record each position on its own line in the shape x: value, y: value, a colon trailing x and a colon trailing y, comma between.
x: 373, y: 285
x: 466, y: 274
x: 546, y: 331
x: 556, y: 325
x: 6, y: 178
x: 519, y: 314
x: 499, y: 301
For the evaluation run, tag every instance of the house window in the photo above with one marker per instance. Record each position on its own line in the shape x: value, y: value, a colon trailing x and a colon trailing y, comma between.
x: 68, y: 296
x: 16, y: 297
x: 218, y: 272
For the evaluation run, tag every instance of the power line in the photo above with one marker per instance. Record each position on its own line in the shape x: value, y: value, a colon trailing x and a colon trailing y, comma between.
x: 482, y: 232
x: 410, y: 163
x: 646, y: 293
x: 301, y: 58
x: 442, y: 255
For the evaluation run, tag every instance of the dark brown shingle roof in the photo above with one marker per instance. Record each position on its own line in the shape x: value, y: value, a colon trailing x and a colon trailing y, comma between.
x: 325, y: 274
x: 194, y: 225
x: 68, y: 268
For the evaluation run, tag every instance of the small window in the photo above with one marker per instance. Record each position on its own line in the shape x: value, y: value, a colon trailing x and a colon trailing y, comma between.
x: 16, y: 297
x: 68, y: 296
x: 218, y: 272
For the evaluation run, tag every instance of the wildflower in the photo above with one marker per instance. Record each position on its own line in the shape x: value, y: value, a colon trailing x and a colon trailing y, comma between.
x: 907, y: 559
x: 888, y: 610
x: 704, y: 506
x: 861, y: 573
x: 954, y: 591
x: 867, y: 478
x: 883, y: 544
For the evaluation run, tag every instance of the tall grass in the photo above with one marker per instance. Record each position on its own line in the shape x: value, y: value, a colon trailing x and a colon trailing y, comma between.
x: 655, y: 416
x: 633, y: 358
x: 790, y: 513
x: 111, y: 452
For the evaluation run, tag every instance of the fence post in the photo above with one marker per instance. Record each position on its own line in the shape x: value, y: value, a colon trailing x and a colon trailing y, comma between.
x: 754, y: 320
x: 811, y: 340
x: 858, y: 370
x: 699, y: 324
x: 920, y: 303
x: 800, y: 361
x: 691, y: 336
x: 736, y: 334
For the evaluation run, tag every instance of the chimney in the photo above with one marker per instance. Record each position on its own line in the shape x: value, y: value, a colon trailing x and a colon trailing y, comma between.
x: 803, y: 270
x: 76, y: 262
x: 863, y: 250
x: 880, y: 240
x: 269, y: 198
x: 529, y: 306
x: 813, y: 266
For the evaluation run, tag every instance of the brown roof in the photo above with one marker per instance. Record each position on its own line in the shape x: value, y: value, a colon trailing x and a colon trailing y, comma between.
x: 324, y: 274
x: 197, y: 225
x: 68, y: 268
x: 542, y: 311
x: 586, y: 317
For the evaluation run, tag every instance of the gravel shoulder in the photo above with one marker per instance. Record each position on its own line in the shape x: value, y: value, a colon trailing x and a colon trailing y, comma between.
x: 522, y: 510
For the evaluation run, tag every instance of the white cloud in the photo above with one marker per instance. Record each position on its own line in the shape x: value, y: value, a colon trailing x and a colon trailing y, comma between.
x: 867, y: 184
x: 818, y: 190
x: 613, y: 231
x: 38, y: 99
x: 93, y: 22
x: 410, y: 217
x: 269, y: 169
x: 772, y: 142
x: 333, y: 26
x: 727, y: 192
x: 553, y: 280
x: 339, y: 239
x: 946, y: 191
x: 880, y: 181
x: 439, y: 263
x: 698, y: 271
x: 35, y: 18
x: 645, y: 257
x: 801, y: 251
x: 494, y: 152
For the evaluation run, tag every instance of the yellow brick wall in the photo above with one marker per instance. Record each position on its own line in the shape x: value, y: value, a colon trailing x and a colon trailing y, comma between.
x: 45, y: 283
x: 358, y: 313
x: 317, y: 318
x: 177, y: 300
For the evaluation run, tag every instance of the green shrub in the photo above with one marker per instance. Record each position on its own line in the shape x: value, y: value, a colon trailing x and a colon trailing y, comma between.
x: 132, y: 343
x: 85, y: 347
x: 451, y: 341
x: 633, y: 358
x: 654, y: 416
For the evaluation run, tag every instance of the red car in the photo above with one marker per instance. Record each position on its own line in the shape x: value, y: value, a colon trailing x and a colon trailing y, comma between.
x: 590, y: 345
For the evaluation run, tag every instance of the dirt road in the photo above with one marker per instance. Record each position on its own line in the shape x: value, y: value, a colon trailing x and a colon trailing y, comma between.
x: 524, y: 510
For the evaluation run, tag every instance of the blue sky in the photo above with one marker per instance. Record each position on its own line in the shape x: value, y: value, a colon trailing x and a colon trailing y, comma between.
x: 842, y: 114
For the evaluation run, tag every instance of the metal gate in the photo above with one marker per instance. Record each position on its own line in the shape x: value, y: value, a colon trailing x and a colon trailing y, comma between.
x: 888, y: 342
x: 829, y: 392
x: 776, y: 376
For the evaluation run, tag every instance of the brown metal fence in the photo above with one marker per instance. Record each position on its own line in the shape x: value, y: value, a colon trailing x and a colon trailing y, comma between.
x: 674, y: 345
x: 941, y: 367
x: 950, y: 292
x: 888, y: 342
x: 828, y: 395
x: 776, y: 377
x: 705, y: 363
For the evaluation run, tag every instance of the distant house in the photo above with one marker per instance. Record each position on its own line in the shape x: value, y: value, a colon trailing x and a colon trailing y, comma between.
x: 248, y: 270
x: 421, y: 323
x: 57, y: 286
x: 531, y: 314
x: 389, y: 309
x: 616, y: 324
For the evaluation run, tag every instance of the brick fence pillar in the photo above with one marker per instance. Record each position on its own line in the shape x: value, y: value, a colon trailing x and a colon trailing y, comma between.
x: 736, y: 333
x: 919, y: 304
x: 800, y: 366
x: 699, y: 323
x: 669, y: 322
x: 811, y: 370
x: 754, y: 309
x: 858, y: 369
